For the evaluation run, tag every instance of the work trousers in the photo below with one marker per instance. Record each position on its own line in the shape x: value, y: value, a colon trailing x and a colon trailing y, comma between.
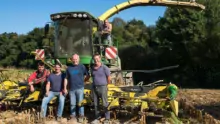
x: 101, y: 92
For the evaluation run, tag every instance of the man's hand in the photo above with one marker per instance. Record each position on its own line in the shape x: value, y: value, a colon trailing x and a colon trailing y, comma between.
x: 109, y: 79
x: 31, y: 88
x: 65, y: 91
x: 31, y: 83
x: 46, y: 94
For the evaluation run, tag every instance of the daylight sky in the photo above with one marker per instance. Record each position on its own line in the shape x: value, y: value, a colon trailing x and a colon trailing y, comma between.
x: 21, y: 16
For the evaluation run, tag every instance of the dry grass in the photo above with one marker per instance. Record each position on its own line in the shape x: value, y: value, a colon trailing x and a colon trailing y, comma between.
x: 202, y: 104
x: 15, y: 75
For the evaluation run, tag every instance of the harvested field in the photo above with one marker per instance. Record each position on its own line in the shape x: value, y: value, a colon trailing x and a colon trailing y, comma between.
x: 191, y: 101
x: 14, y: 75
x: 196, y: 105
x: 206, y: 100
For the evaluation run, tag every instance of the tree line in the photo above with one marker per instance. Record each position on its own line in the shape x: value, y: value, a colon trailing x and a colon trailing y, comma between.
x: 184, y: 37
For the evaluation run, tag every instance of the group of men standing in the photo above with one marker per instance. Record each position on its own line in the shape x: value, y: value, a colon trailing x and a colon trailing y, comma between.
x: 72, y: 83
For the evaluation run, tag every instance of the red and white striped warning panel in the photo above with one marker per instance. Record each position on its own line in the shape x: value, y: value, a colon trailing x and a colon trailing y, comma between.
x: 39, y: 54
x: 111, y: 52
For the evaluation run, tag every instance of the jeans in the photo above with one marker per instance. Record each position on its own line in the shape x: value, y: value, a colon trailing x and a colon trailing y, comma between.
x: 107, y: 39
x: 47, y: 99
x: 101, y: 92
x: 76, y: 97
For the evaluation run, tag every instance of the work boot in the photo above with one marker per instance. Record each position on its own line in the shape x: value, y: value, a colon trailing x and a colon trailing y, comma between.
x: 43, y: 120
x: 81, y: 119
x: 106, y: 121
x: 72, y: 117
x: 59, y: 119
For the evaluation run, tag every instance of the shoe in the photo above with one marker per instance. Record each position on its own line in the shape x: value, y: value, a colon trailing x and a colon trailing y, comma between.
x: 81, y: 119
x: 96, y: 121
x: 59, y: 119
x: 72, y: 117
x: 44, y: 119
x: 106, y: 121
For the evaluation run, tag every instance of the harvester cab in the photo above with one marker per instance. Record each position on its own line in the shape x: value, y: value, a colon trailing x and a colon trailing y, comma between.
x: 80, y: 33
x: 76, y: 32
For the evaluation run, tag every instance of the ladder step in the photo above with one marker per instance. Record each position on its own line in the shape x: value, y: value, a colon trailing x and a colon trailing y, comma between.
x: 101, y: 45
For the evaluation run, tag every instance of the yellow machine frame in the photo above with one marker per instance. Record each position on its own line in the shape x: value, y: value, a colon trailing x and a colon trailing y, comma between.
x: 134, y: 3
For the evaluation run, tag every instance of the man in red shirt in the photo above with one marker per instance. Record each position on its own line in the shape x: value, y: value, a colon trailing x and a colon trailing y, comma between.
x: 39, y: 77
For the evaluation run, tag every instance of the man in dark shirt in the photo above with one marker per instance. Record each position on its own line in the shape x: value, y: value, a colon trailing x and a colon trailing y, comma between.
x: 101, y: 78
x: 54, y: 88
x: 75, y: 77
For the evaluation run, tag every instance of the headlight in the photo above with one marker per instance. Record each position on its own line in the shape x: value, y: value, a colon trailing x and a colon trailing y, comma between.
x: 79, y: 15
x: 84, y: 15
x: 74, y: 15
x: 57, y: 16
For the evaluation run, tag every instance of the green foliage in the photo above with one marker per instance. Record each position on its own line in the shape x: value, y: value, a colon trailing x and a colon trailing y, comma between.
x: 194, y: 40
x: 15, y: 49
x: 131, y: 32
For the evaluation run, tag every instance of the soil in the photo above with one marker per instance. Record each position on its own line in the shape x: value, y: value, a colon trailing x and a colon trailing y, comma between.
x: 206, y: 100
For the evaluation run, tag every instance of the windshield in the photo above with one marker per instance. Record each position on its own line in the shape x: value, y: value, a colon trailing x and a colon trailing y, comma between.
x: 73, y: 37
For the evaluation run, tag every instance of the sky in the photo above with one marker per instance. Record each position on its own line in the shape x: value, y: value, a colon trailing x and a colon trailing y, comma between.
x: 22, y: 16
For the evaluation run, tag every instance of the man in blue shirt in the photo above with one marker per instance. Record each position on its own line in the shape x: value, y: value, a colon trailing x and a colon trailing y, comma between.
x: 54, y: 88
x: 75, y: 78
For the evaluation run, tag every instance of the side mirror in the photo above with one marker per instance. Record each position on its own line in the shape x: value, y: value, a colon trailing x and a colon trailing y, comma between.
x: 46, y: 29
